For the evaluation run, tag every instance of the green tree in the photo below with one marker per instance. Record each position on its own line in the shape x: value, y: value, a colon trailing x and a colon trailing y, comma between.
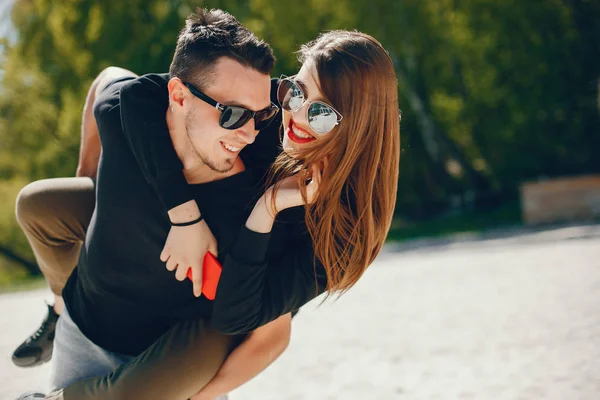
x: 492, y: 93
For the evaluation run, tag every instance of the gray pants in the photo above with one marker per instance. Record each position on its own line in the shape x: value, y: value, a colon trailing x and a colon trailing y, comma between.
x: 75, y: 357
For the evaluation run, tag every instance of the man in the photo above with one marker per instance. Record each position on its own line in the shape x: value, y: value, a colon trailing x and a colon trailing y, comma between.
x: 120, y: 298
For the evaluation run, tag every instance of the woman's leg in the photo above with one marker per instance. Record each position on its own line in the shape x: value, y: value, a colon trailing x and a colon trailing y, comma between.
x: 54, y: 215
x: 175, y: 367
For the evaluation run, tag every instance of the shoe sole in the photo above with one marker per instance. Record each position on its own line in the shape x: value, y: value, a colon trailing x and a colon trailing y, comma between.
x: 34, y: 364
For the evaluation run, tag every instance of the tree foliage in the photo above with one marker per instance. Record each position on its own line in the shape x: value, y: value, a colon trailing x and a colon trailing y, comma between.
x: 492, y: 92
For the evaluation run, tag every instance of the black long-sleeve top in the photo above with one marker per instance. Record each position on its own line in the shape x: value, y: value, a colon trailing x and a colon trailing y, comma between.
x: 264, y: 275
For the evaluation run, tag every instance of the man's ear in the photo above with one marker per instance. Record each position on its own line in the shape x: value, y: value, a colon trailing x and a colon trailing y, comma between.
x: 177, y: 93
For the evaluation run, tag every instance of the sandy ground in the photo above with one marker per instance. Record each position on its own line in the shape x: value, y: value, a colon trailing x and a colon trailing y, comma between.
x: 509, y: 315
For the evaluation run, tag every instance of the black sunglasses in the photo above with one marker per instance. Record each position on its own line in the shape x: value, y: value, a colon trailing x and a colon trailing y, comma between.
x: 234, y: 117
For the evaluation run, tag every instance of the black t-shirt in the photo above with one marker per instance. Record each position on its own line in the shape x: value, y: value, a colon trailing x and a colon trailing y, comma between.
x: 121, y: 295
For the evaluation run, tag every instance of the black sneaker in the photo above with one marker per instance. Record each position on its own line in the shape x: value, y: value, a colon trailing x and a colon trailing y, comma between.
x: 37, y: 349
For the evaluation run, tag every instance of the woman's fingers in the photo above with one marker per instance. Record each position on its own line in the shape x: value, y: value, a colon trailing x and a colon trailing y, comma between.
x: 171, y: 264
x: 212, y: 248
x: 317, y: 176
x: 197, y: 278
x: 313, y: 187
x: 325, y: 164
x: 181, y: 271
x: 164, y: 255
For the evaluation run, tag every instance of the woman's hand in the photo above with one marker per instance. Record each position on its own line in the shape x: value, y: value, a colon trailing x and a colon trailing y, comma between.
x: 288, y: 195
x: 289, y: 192
x: 186, y: 246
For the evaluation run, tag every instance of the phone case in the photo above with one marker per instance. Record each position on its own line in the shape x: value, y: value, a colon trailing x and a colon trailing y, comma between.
x: 211, y: 272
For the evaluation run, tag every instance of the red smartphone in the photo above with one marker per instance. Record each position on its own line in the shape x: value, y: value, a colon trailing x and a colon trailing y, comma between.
x: 211, y: 272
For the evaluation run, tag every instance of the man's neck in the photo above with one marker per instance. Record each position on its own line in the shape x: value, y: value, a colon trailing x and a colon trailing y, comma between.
x: 194, y: 171
x: 203, y: 174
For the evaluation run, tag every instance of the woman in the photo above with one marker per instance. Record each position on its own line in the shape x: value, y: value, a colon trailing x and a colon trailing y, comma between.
x: 341, y: 134
x: 341, y: 141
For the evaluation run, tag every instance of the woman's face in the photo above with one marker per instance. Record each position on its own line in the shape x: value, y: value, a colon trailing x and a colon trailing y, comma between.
x: 297, y: 131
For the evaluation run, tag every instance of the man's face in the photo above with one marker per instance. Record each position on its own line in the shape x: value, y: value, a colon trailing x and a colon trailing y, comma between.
x: 232, y: 84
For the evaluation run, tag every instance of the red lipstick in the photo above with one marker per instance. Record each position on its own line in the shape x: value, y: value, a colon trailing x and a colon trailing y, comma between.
x: 295, y: 138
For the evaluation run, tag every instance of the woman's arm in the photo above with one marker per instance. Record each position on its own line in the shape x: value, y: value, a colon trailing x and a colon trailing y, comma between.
x: 89, y: 148
x: 144, y: 102
x: 260, y: 349
x: 254, y: 290
x: 255, y: 287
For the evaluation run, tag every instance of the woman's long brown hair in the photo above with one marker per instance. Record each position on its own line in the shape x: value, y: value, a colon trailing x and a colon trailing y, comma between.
x: 352, y: 213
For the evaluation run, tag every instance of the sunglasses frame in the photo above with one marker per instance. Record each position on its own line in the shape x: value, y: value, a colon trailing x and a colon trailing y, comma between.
x: 310, y: 103
x: 222, y: 108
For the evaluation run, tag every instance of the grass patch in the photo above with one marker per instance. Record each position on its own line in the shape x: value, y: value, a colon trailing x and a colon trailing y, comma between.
x: 14, y: 277
x: 507, y: 214
x: 23, y: 285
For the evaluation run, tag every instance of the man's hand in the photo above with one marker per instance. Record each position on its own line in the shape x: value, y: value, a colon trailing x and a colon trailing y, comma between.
x: 186, y: 245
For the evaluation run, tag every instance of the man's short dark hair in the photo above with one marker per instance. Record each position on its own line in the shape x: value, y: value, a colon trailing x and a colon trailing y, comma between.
x: 211, y: 34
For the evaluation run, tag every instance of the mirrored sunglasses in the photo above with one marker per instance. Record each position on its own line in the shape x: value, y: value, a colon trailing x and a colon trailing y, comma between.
x: 321, y: 117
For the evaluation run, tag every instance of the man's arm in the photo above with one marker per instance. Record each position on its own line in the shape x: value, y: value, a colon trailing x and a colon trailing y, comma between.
x: 260, y: 349
x: 89, y: 150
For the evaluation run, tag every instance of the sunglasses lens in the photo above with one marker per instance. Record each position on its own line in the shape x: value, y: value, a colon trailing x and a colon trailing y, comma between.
x: 321, y: 117
x: 234, y: 117
x: 290, y: 95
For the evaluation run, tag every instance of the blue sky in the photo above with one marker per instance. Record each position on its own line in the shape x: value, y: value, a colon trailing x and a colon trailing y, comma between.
x: 6, y: 28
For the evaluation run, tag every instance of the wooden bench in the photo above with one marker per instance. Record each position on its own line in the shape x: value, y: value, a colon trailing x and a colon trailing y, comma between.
x: 559, y: 200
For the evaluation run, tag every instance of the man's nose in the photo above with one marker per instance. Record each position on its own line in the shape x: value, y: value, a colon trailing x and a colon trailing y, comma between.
x: 247, y: 133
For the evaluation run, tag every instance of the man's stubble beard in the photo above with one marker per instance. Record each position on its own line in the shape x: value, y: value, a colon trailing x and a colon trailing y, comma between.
x: 200, y: 157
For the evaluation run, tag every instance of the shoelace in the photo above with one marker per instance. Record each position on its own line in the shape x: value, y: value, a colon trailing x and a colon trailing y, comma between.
x: 41, y: 330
